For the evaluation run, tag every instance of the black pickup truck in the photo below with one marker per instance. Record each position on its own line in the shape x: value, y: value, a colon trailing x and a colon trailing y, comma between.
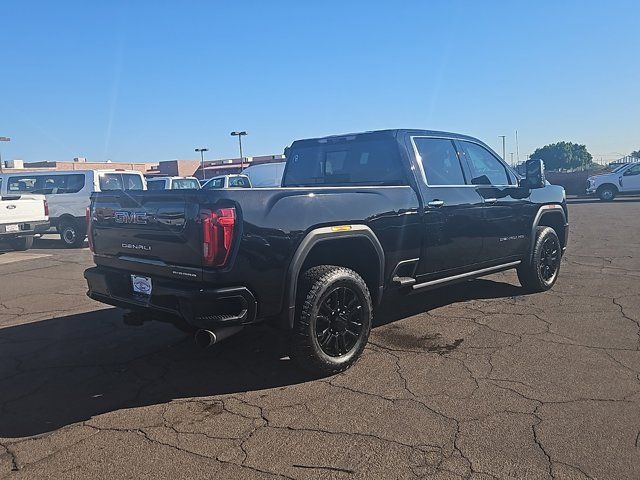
x: 357, y: 215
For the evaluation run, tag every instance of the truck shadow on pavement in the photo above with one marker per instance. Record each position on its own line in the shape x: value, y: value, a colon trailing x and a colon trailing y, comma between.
x: 68, y: 369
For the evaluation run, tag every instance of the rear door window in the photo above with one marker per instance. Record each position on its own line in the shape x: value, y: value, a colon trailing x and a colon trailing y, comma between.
x: 22, y: 184
x: 75, y: 183
x: 440, y: 161
x: 59, y: 184
x: 184, y: 184
x: 353, y: 160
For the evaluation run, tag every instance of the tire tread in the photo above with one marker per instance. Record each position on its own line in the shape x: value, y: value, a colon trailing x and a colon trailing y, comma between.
x: 311, y: 284
x: 528, y: 274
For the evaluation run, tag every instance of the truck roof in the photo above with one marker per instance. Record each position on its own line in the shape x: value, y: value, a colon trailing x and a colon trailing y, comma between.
x: 395, y: 133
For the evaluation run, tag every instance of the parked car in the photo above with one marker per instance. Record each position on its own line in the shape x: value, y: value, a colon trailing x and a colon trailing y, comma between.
x: 68, y: 194
x: 227, y: 181
x: 21, y: 218
x: 623, y: 180
x: 265, y: 175
x: 357, y: 216
x: 172, y: 183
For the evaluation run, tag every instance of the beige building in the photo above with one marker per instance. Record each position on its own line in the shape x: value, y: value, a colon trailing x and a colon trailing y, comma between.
x: 193, y: 168
x: 76, y: 164
x: 182, y: 168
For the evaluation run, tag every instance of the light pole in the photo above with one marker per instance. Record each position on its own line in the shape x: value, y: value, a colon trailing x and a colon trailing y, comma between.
x: 512, y: 159
x: 202, y: 150
x: 240, y: 135
x: 3, y: 139
x: 504, y: 151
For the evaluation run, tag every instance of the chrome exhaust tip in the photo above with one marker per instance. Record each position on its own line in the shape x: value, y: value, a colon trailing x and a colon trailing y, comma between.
x: 206, y: 338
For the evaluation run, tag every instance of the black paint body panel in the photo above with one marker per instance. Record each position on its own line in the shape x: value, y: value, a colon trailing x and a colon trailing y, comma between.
x: 466, y: 232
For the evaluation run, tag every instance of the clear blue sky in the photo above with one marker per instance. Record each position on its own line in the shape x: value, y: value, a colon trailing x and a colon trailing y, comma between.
x: 151, y: 80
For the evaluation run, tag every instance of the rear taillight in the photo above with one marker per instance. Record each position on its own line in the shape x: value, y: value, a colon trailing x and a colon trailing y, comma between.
x: 46, y: 208
x: 218, y: 227
x: 89, y: 230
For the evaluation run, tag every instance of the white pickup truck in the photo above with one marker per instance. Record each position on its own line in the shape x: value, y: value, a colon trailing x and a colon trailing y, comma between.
x: 21, y: 218
x: 624, y: 180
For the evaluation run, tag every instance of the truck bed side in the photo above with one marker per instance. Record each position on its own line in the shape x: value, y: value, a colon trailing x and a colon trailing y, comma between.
x: 261, y: 255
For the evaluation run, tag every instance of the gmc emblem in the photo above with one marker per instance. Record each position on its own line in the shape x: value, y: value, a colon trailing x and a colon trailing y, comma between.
x: 138, y: 218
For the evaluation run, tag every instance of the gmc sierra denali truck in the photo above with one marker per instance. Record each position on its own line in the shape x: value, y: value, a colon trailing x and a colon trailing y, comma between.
x: 356, y: 216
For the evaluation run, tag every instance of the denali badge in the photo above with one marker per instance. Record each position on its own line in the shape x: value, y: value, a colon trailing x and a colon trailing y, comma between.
x: 139, y: 218
x: 139, y: 246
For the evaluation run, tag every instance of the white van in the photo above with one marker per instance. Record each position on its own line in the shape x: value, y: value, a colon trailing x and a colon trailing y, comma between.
x: 266, y: 174
x: 68, y: 194
x: 172, y: 183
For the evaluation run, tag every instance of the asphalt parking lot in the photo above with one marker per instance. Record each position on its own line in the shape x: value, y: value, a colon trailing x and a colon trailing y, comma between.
x: 471, y: 381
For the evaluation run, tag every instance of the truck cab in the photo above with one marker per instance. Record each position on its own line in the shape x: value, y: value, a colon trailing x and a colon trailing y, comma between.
x: 356, y: 216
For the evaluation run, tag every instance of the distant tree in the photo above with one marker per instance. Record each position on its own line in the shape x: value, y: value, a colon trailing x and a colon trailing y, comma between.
x: 563, y: 155
x: 635, y: 154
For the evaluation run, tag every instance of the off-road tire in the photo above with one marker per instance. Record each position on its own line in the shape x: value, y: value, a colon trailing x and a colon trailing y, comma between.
x: 607, y: 193
x: 21, y: 244
x: 71, y: 234
x: 531, y: 272
x: 318, y: 287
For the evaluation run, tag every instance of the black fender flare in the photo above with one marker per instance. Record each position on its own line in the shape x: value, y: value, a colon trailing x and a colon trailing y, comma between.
x: 544, y: 210
x: 321, y: 235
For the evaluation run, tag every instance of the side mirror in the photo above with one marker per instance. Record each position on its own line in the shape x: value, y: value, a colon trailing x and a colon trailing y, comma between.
x: 535, y: 173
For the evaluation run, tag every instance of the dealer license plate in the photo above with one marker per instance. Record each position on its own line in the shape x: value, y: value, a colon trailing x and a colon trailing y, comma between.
x: 141, y: 285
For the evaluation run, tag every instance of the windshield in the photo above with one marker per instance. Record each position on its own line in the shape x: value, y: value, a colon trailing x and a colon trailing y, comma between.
x: 120, y: 181
x: 214, y: 183
x: 155, y: 185
x: 185, y: 184
x: 239, y: 182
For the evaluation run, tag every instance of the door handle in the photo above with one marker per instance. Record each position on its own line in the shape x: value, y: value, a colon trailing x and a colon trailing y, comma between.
x: 436, y: 203
x: 490, y: 200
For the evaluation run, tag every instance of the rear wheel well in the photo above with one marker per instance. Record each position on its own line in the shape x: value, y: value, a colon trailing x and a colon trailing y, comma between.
x: 556, y: 221
x: 356, y: 253
x: 68, y: 219
x: 65, y: 219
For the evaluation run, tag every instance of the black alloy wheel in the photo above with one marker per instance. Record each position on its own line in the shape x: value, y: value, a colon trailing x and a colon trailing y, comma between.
x: 333, y: 319
x: 549, y: 258
x: 339, y: 321
x: 540, y: 272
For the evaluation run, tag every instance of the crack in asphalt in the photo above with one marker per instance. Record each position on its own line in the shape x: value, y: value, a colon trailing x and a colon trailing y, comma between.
x: 478, y: 368
x: 12, y: 456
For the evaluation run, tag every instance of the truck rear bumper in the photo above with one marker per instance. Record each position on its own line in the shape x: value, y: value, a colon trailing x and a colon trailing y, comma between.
x: 25, y: 229
x: 199, y: 307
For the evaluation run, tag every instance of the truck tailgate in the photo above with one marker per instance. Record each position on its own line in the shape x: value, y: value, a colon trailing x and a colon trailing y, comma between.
x: 15, y: 209
x: 157, y: 233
